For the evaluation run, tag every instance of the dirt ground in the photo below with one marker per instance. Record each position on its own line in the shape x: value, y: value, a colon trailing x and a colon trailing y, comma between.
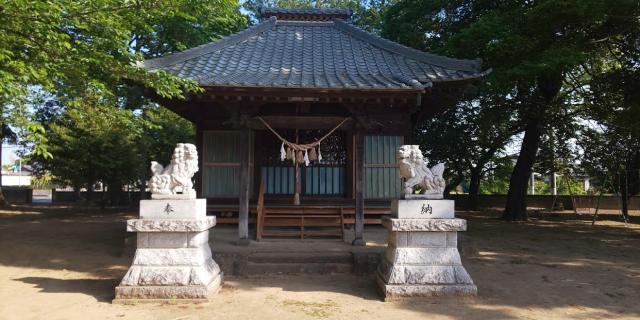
x: 63, y: 263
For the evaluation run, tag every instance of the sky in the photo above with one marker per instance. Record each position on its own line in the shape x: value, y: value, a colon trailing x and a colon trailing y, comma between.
x: 8, y: 154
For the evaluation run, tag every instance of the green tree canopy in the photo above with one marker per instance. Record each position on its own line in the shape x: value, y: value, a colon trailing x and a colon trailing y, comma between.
x: 533, y: 47
x: 481, y: 126
x: 64, y: 45
x: 81, y: 56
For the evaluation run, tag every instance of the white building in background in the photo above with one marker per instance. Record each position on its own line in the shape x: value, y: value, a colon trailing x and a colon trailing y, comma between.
x: 18, y: 175
x: 16, y: 179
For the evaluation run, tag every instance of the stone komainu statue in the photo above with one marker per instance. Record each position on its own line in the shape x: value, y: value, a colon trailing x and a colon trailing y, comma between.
x: 174, y: 180
x: 414, y: 171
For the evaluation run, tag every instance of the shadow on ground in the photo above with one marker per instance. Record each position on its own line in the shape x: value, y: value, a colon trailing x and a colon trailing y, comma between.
x: 546, y: 264
x: 101, y: 289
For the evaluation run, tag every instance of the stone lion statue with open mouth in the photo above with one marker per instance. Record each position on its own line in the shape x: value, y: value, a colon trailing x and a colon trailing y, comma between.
x: 414, y: 172
x: 174, y: 180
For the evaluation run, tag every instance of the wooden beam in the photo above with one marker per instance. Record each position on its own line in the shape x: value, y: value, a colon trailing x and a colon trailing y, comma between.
x: 243, y: 214
x: 359, y: 167
x: 301, y: 122
x: 310, y: 95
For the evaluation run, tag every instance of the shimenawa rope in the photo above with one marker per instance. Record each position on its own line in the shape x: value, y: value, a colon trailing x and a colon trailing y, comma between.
x: 298, y: 147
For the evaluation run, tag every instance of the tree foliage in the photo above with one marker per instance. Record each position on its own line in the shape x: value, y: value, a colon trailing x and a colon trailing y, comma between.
x: 564, y: 73
x: 80, y: 58
x: 64, y: 45
x: 92, y: 140
x: 481, y: 126
x: 533, y: 47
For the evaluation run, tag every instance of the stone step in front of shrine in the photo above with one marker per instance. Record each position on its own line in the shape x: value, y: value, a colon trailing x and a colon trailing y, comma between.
x: 300, y: 263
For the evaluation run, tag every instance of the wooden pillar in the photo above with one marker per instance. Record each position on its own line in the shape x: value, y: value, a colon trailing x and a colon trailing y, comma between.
x: 243, y: 212
x: 359, y: 175
x: 296, y: 176
x: 200, y: 146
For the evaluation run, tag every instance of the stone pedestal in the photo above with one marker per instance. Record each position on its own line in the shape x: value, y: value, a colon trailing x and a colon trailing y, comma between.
x: 422, y: 257
x: 173, y: 260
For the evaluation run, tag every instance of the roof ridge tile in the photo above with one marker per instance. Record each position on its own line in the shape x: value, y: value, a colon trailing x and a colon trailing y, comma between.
x: 305, y: 14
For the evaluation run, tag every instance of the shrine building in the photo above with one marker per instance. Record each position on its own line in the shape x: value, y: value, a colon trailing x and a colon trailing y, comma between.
x: 300, y: 119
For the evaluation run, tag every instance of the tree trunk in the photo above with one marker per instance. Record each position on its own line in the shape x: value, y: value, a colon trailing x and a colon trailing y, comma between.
x: 89, y: 197
x: 144, y: 175
x: 474, y: 189
x: 103, y: 196
x: 143, y: 184
x: 624, y: 193
x: 455, y: 182
x: 516, y: 206
x: 3, y: 200
x: 548, y: 87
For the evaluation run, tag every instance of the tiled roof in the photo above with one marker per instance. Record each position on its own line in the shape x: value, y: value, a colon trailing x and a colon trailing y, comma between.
x: 306, y: 14
x: 312, y: 54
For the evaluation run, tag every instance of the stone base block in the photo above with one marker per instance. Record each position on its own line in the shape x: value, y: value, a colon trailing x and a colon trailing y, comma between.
x: 181, y: 196
x: 427, y: 196
x: 422, y: 209
x: 423, y: 256
x: 416, y: 274
x: 170, y: 225
x: 425, y: 225
x: 163, y: 294
x: 173, y: 209
x: 406, y: 239
x: 173, y: 260
x: 392, y: 292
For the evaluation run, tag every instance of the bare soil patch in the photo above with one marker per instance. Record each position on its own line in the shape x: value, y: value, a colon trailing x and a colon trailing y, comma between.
x: 64, y: 262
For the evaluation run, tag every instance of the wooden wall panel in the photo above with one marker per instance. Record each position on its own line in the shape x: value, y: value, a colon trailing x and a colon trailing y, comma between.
x: 221, y: 182
x: 382, y: 176
x: 222, y: 146
x: 325, y: 181
x: 221, y: 167
x: 278, y: 180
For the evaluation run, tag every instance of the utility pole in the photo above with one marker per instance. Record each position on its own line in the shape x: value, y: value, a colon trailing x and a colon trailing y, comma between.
x: 533, y: 183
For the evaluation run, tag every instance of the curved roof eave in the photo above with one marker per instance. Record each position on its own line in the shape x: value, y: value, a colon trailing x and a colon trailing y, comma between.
x: 207, y: 47
x: 465, y: 69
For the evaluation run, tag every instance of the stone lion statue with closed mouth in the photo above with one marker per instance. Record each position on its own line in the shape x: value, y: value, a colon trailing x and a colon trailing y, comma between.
x: 414, y: 172
x: 174, y: 180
